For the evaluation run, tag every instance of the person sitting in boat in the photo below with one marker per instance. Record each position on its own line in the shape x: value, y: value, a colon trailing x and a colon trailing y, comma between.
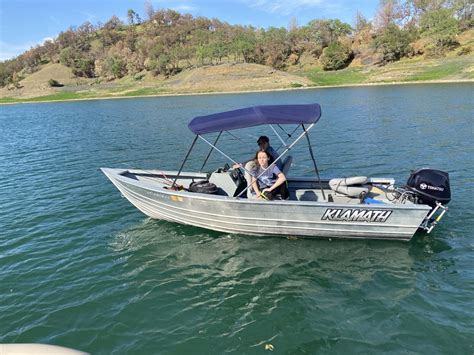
x: 282, y: 164
x: 264, y: 144
x: 272, y: 182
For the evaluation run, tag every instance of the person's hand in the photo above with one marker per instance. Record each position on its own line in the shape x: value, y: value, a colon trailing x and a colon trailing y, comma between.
x: 236, y: 166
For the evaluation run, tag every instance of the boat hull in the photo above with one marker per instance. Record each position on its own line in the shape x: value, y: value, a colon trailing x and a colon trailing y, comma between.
x: 271, y: 218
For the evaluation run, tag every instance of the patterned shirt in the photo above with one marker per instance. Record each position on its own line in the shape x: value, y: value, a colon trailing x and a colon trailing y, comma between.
x: 269, y: 177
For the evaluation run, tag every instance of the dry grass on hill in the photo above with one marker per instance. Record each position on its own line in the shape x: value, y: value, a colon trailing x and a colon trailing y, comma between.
x: 36, y: 84
x: 216, y: 78
x: 237, y: 77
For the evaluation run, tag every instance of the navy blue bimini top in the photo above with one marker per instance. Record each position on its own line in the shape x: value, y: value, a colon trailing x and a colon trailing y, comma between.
x: 255, y: 116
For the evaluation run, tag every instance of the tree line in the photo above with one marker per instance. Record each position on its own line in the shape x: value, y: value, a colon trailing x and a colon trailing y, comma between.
x: 167, y: 42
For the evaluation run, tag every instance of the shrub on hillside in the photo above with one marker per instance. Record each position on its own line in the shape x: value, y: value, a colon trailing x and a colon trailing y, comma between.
x: 54, y: 83
x: 336, y: 56
x: 464, y: 51
x: 392, y: 44
x: 84, y: 67
x: 440, y: 28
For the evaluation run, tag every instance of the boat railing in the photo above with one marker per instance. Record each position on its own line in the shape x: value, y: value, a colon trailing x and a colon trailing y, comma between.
x: 431, y: 221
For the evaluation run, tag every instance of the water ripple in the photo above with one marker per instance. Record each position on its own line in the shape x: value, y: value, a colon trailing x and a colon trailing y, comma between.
x: 80, y: 267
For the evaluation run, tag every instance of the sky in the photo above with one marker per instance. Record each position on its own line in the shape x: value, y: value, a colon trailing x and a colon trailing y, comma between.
x: 27, y: 23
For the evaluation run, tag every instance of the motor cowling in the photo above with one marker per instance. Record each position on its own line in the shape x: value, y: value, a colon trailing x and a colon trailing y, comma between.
x: 430, y: 186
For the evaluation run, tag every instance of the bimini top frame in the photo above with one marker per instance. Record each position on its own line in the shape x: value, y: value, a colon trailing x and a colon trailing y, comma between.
x: 256, y: 116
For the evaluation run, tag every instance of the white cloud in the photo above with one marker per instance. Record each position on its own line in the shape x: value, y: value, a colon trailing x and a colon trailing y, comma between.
x: 289, y: 7
x: 180, y: 6
x: 10, y: 51
x: 184, y: 8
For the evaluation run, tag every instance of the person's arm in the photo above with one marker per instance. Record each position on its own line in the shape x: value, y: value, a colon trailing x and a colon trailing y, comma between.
x: 241, y: 165
x: 280, y: 180
x: 255, y: 187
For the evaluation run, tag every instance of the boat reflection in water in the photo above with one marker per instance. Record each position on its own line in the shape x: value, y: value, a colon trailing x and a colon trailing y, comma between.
x: 191, y: 260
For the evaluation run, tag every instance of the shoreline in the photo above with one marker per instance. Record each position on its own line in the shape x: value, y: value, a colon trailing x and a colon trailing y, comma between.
x: 421, y: 82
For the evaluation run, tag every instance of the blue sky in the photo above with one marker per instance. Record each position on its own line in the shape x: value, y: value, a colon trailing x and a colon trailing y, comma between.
x: 26, y: 23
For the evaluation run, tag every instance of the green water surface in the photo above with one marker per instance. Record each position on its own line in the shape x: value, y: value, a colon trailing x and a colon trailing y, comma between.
x: 81, y: 267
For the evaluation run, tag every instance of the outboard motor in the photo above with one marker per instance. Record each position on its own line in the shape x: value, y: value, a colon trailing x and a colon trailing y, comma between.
x: 430, y: 186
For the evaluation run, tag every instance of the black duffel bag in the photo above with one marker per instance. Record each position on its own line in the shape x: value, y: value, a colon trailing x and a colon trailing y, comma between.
x: 203, y: 187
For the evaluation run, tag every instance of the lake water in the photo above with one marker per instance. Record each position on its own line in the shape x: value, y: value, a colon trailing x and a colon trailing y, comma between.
x: 81, y: 267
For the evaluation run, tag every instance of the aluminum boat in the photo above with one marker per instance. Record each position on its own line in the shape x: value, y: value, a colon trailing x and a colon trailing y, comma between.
x: 342, y: 207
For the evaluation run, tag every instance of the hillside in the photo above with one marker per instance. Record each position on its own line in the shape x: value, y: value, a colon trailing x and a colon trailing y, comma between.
x: 235, y: 78
x: 218, y: 78
x: 173, y: 53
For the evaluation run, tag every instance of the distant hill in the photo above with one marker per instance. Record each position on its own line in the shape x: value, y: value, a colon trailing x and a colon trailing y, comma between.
x: 178, y: 53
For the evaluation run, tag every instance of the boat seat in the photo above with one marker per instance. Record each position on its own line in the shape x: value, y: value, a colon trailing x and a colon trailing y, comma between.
x: 229, y: 182
x: 350, y: 186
